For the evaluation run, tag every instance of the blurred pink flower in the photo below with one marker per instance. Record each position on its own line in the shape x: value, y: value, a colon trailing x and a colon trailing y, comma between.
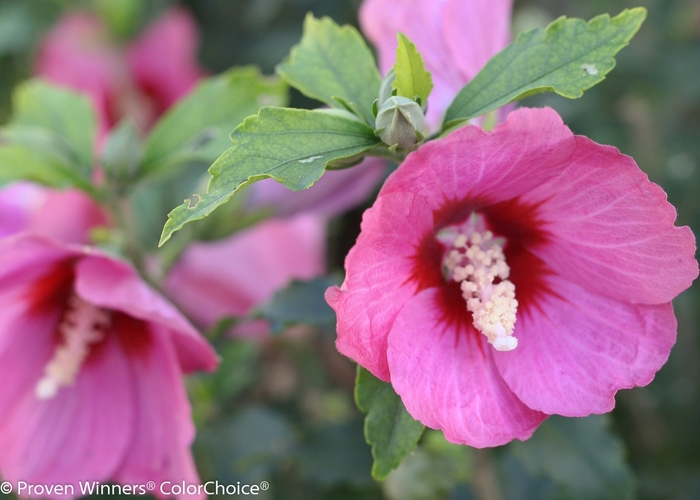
x: 231, y: 276
x: 502, y: 277
x: 66, y: 216
x: 455, y: 37
x: 92, y: 362
x: 17, y: 202
x: 141, y: 81
x: 210, y: 280
x: 163, y: 60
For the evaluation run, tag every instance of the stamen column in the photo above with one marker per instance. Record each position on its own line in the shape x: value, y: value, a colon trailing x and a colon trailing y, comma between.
x: 476, y: 261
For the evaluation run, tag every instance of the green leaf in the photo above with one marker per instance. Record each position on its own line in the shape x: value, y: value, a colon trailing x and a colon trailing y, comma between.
x: 412, y: 79
x: 301, y: 302
x: 17, y: 161
x: 426, y: 475
x: 389, y: 428
x: 233, y: 216
x: 567, y: 57
x: 197, y: 129
x: 333, y: 65
x: 237, y: 369
x: 50, y: 138
x: 581, y: 455
x: 292, y: 146
x: 66, y: 115
x: 122, y: 153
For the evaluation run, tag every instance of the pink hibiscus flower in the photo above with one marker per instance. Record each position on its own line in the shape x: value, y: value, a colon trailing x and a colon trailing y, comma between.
x: 455, y: 37
x: 503, y: 277
x: 142, y: 82
x: 92, y: 360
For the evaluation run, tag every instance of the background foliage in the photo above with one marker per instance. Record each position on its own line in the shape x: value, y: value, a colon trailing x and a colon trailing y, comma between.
x: 283, y: 412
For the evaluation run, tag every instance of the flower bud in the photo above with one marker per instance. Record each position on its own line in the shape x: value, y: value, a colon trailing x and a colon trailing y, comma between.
x: 400, y: 122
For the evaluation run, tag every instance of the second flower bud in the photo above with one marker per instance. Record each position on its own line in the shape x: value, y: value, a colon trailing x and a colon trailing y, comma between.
x: 400, y: 122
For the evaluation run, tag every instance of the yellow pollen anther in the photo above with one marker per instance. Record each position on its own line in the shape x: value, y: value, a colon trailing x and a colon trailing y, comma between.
x: 83, y: 324
x: 476, y: 262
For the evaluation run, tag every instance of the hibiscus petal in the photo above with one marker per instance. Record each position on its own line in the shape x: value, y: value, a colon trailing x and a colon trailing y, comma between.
x: 475, y: 31
x: 26, y: 258
x: 577, y: 348
x: 26, y: 345
x: 17, y: 201
x: 379, y: 268
x: 611, y: 230
x: 381, y: 20
x: 163, y: 430
x: 114, y: 285
x: 79, y: 435
x: 447, y: 379
x: 231, y: 276
x: 471, y: 168
x: 164, y: 58
x: 77, y: 54
x: 67, y: 216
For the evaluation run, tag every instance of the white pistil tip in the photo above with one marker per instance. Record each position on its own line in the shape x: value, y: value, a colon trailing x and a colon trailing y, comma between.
x: 46, y: 388
x: 82, y: 324
x: 476, y: 262
x: 505, y: 343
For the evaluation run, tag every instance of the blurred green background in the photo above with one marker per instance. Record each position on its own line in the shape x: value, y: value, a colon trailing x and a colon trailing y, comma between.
x: 283, y: 412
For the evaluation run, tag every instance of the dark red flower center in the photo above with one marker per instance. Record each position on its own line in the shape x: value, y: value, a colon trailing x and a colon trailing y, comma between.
x: 517, y: 231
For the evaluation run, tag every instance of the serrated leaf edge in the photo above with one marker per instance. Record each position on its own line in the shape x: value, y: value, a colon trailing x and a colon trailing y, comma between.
x: 548, y: 31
